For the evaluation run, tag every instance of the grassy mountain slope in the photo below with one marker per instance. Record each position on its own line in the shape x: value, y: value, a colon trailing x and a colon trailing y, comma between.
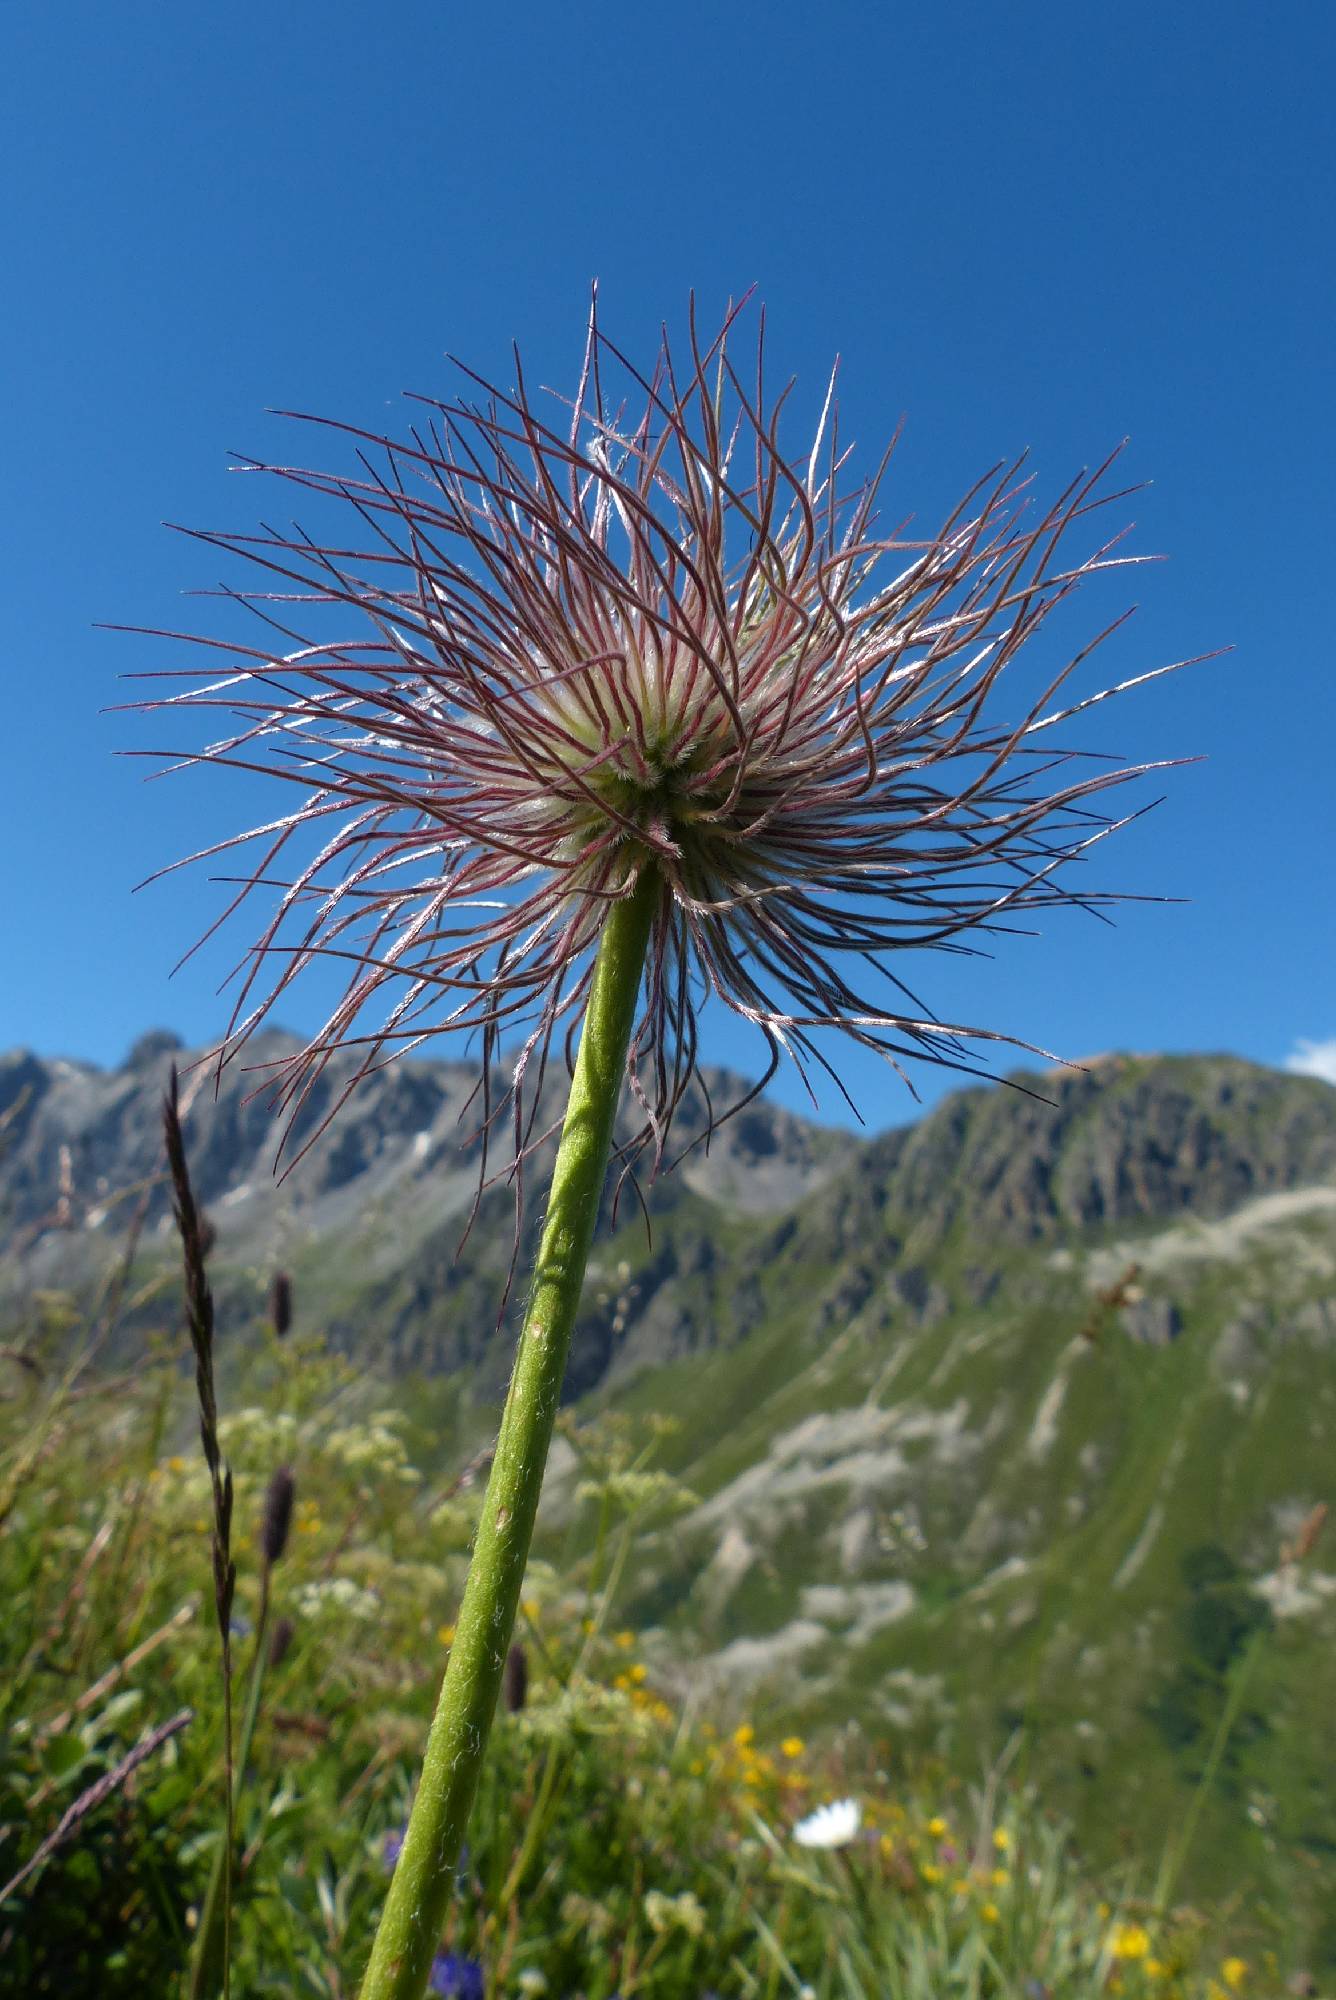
x: 1016, y: 1439
x: 998, y: 1423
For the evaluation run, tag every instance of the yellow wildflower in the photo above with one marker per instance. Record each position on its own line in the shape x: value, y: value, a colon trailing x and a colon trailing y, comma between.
x: 999, y: 1878
x: 1131, y: 1941
x: 1155, y: 1968
x: 176, y: 1464
x: 937, y: 1827
x: 624, y: 1640
x: 529, y: 1606
x: 793, y: 1746
x: 930, y: 1872
x: 1001, y: 1840
x: 446, y: 1635
x: 638, y: 1672
x: 744, y: 1736
x: 1234, y: 1971
x: 990, y: 1913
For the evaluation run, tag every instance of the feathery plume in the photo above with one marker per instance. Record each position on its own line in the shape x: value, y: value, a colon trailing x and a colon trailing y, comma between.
x: 539, y: 658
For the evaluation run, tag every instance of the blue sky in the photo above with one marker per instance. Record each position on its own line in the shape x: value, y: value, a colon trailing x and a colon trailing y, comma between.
x: 1020, y: 227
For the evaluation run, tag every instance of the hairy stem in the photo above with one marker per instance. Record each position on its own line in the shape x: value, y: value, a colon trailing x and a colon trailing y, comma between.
x: 410, y: 1926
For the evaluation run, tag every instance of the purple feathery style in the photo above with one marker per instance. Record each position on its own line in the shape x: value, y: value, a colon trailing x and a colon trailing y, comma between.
x: 459, y: 1978
x: 544, y: 658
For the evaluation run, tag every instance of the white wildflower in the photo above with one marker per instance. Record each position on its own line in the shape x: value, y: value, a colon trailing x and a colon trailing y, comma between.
x: 338, y: 1595
x: 373, y: 1447
x: 832, y: 1825
x: 665, y: 1913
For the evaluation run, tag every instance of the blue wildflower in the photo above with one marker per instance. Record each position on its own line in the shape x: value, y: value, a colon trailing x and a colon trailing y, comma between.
x: 456, y: 1978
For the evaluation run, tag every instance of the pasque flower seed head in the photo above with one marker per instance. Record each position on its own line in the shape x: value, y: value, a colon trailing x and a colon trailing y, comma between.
x: 542, y: 655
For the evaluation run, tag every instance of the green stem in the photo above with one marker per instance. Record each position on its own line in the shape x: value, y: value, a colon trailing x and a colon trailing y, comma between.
x: 534, y: 1835
x: 1176, y: 1852
x: 410, y: 1926
x: 209, y: 1966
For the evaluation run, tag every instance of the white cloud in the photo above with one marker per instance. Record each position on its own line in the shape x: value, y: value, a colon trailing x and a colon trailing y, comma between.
x: 1313, y: 1059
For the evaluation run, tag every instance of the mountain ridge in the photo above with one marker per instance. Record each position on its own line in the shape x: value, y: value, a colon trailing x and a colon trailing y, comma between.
x: 1127, y: 1140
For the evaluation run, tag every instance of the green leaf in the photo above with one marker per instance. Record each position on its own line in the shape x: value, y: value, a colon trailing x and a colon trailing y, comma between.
x: 108, y: 1720
x: 63, y: 1754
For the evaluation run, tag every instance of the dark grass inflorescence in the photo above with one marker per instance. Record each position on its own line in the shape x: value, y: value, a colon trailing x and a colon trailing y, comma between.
x: 515, y: 1682
x: 276, y: 1521
x: 280, y: 1303
x: 199, y: 1316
